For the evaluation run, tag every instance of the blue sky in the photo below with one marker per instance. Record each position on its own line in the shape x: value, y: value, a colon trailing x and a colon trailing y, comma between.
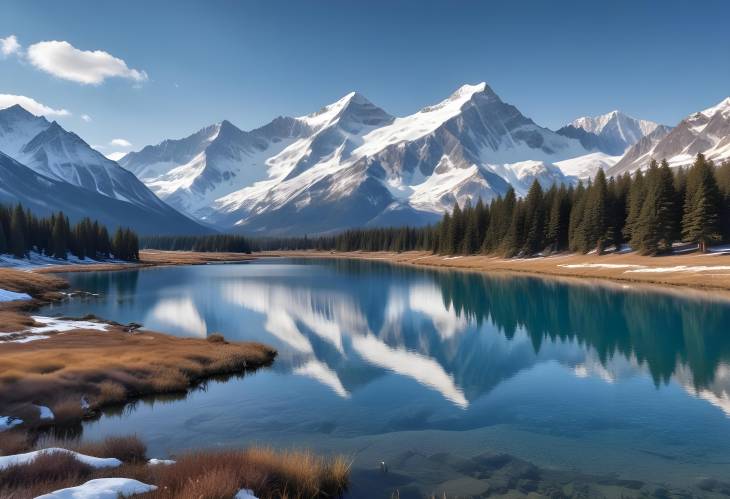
x: 192, y: 63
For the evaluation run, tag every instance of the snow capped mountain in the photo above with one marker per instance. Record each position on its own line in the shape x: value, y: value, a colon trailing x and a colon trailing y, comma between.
x: 706, y: 132
x: 611, y: 133
x: 63, y: 158
x: 193, y: 172
x: 353, y: 164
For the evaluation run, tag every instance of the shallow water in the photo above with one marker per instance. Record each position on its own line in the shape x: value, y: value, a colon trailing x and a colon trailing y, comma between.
x: 460, y: 382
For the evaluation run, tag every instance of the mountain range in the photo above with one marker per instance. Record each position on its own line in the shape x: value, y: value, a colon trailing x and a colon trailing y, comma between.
x: 350, y: 164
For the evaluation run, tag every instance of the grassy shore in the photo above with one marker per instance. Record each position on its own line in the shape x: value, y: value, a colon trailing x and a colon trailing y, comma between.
x: 97, y: 363
x: 200, y: 474
x: 701, y: 271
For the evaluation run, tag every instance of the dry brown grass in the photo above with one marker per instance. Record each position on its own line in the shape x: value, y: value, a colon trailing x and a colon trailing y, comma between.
x: 33, y: 283
x: 216, y: 338
x: 110, y: 367
x: 14, y: 442
x: 269, y: 473
x: 197, y: 475
x: 151, y: 258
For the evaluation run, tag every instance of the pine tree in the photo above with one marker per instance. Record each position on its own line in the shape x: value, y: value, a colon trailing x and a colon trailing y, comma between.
x: 514, y: 239
x: 3, y: 240
x: 700, y: 223
x: 637, y: 193
x: 534, y: 231
x: 18, y: 245
x: 455, y: 232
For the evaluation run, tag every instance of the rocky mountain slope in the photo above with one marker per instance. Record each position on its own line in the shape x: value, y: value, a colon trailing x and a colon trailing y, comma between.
x: 77, y: 178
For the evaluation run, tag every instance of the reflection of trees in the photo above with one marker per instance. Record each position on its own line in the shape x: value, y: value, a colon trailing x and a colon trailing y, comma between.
x: 660, y: 330
x: 124, y: 282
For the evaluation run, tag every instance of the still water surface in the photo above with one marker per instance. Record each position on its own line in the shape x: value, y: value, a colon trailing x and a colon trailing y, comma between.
x: 460, y: 382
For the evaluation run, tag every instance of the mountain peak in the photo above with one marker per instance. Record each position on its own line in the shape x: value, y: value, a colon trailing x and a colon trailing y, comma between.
x: 466, y: 91
x: 18, y: 112
x: 353, y: 106
x: 721, y: 107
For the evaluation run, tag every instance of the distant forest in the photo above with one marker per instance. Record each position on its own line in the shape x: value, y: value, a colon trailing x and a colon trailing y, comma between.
x: 22, y: 232
x: 650, y: 211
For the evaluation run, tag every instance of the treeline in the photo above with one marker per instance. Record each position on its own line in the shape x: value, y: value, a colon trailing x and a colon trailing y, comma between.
x: 22, y: 232
x: 220, y: 242
x: 649, y: 211
x: 380, y: 239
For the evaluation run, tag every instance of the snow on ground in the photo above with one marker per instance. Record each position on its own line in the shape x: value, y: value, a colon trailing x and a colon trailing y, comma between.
x: 7, y: 422
x: 46, y: 412
x: 50, y: 324
x: 682, y: 268
x: 102, y: 488
x: 28, y: 457
x: 155, y: 462
x: 245, y: 494
x: 601, y: 266
x: 38, y: 260
x: 6, y: 295
x: 725, y: 248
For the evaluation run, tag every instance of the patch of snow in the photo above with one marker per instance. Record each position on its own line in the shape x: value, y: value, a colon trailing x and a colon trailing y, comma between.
x: 586, y: 166
x: 682, y: 268
x: 245, y: 494
x: 156, y: 462
x: 102, y: 488
x: 600, y: 266
x: 45, y: 412
x: 64, y: 325
x: 6, y: 295
x: 28, y: 457
x: 36, y: 259
x: 7, y: 422
x: 725, y: 248
x: 50, y: 324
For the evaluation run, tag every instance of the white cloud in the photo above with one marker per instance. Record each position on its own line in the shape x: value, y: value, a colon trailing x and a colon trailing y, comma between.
x: 86, y: 118
x: 87, y: 67
x: 116, y: 156
x: 9, y: 45
x: 30, y: 105
x: 120, y: 143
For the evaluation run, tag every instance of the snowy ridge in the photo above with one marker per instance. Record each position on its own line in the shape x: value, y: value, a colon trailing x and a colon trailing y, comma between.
x: 352, y: 164
x: 706, y: 132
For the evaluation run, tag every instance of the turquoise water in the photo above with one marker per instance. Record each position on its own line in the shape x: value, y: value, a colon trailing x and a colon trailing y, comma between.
x: 465, y: 383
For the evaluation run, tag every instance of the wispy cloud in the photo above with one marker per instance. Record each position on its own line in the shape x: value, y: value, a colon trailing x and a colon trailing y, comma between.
x: 31, y: 105
x: 9, y: 46
x: 120, y: 143
x: 88, y: 67
x: 86, y: 118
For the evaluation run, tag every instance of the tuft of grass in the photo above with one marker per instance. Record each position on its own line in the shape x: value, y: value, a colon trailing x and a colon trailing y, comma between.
x: 67, y: 411
x: 46, y: 467
x: 217, y: 338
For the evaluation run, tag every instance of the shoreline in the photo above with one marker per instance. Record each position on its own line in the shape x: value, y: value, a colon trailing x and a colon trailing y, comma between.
x: 708, y: 273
